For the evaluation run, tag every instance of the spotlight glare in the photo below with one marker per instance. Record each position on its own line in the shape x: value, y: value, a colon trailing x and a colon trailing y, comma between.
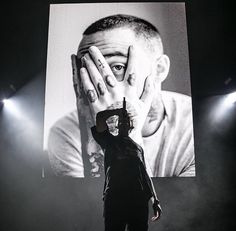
x: 10, y: 106
x: 230, y: 99
x: 5, y: 101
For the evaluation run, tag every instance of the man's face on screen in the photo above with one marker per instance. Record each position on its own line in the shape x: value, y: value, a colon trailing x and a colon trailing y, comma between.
x: 114, y: 45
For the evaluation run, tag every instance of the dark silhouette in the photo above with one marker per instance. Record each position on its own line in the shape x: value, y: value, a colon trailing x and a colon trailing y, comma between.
x: 128, y: 188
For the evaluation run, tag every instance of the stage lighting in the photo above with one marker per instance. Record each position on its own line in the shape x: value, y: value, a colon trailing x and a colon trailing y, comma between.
x: 222, y: 108
x: 11, y: 106
x: 5, y: 101
x: 8, y: 103
x: 230, y: 99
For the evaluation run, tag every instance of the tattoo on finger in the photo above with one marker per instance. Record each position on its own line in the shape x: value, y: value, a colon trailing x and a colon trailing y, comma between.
x: 92, y: 96
x: 100, y: 64
x: 101, y: 88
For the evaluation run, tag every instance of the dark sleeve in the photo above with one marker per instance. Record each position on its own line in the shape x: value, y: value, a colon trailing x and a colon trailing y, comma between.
x: 102, y: 138
x: 149, y: 183
x: 141, y: 156
x: 145, y: 174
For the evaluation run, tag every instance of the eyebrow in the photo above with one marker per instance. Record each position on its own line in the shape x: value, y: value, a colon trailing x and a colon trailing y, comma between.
x: 109, y: 55
x: 116, y: 53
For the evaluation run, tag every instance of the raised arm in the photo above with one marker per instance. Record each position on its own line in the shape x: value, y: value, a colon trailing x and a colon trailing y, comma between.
x: 102, y: 116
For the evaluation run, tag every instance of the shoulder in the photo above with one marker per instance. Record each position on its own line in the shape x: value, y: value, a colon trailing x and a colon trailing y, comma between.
x: 179, y: 126
x: 65, y: 129
x: 64, y: 147
x: 70, y: 119
x: 173, y: 101
x: 67, y: 124
x: 178, y: 107
x: 175, y: 152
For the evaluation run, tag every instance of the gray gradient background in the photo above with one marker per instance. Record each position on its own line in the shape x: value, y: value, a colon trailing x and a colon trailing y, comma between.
x: 203, y: 203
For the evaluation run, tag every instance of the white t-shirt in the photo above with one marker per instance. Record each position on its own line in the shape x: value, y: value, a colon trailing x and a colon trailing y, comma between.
x: 168, y: 152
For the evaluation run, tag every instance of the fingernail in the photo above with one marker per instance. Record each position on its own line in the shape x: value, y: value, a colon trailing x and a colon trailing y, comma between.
x: 86, y: 56
x: 101, y: 89
x: 82, y: 70
x: 132, y: 48
x: 83, y: 62
x: 92, y: 49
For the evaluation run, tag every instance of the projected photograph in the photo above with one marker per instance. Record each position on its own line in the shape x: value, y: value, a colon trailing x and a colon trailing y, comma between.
x: 130, y: 60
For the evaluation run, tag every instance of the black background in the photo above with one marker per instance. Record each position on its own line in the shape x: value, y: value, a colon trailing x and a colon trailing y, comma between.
x: 29, y: 202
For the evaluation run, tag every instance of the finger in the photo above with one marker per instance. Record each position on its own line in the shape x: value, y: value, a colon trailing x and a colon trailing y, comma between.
x: 155, y: 218
x: 102, y: 66
x: 95, y: 76
x: 130, y: 75
x: 131, y: 79
x: 75, y: 74
x: 156, y: 215
x: 74, y: 69
x: 88, y: 87
x: 83, y: 62
x: 148, y: 90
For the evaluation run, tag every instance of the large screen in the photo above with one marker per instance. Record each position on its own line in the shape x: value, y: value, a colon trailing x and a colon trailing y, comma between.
x: 161, y: 46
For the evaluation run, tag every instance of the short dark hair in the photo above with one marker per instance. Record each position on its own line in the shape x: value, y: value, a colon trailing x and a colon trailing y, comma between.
x: 138, y: 25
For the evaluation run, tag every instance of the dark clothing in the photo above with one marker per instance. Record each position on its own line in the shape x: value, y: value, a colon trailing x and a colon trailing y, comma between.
x: 121, y: 215
x: 127, y: 188
x: 125, y: 174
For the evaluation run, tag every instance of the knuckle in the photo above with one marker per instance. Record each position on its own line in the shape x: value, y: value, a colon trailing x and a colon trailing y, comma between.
x: 91, y: 96
x: 110, y: 80
x: 101, y: 88
x: 132, y: 79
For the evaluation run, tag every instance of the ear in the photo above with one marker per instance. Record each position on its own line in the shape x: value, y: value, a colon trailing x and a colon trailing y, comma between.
x: 162, y: 67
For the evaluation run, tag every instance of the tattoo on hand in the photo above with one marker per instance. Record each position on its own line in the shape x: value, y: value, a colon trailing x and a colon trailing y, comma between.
x: 101, y: 64
x: 101, y: 89
x: 91, y: 94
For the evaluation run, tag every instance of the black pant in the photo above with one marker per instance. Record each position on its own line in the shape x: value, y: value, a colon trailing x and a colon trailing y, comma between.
x: 121, y: 214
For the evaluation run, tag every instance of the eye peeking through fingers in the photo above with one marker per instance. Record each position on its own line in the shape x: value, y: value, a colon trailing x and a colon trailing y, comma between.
x: 118, y: 70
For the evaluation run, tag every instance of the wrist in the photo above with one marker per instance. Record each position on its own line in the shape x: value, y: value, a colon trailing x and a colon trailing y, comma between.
x: 155, y: 200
